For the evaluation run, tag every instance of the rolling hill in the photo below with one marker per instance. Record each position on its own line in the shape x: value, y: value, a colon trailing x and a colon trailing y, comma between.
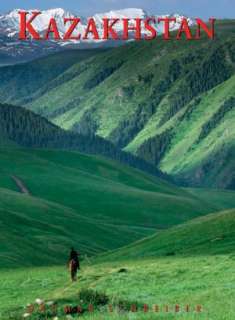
x: 98, y: 187
x: 212, y: 234
x: 38, y: 232
x: 144, y: 98
x: 91, y: 202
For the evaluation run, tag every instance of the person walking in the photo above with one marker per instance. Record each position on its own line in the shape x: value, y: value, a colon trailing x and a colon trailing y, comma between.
x: 74, y: 263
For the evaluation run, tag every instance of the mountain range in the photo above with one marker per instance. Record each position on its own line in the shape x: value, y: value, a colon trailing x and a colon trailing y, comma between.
x: 13, y: 50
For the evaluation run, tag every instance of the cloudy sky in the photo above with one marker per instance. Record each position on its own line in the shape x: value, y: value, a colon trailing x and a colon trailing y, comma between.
x: 194, y: 8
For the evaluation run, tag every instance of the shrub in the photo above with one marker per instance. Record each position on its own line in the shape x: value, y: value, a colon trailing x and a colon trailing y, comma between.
x: 95, y: 298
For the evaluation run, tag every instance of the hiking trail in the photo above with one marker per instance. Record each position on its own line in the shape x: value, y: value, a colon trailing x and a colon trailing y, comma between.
x: 20, y: 185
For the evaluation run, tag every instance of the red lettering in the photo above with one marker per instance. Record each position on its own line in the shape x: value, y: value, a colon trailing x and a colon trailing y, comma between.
x: 199, y: 308
x: 79, y: 309
x: 133, y: 308
x: 52, y: 28
x: 68, y: 34
x: 91, y: 308
x: 91, y: 28
x: 184, y: 28
x: 42, y: 308
x: 156, y: 308
x: 27, y: 25
x: 202, y: 25
x: 110, y: 308
x: 151, y: 29
x: 136, y: 28
x: 177, y: 308
x: 167, y: 21
x: 30, y: 308
x: 27, y: 30
x: 67, y: 309
x: 108, y: 29
x: 146, y: 308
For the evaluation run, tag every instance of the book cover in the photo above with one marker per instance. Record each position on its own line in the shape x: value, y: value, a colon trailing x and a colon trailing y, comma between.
x: 117, y: 160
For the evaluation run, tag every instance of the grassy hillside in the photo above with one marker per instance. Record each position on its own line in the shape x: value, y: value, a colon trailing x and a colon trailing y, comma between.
x: 206, y: 155
x: 95, y: 203
x: 212, y: 234
x: 201, y: 273
x: 201, y: 138
x: 144, y: 97
x: 38, y: 232
x: 100, y: 188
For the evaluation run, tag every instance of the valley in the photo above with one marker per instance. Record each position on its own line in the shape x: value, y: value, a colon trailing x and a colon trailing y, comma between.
x: 148, y: 103
x: 86, y: 200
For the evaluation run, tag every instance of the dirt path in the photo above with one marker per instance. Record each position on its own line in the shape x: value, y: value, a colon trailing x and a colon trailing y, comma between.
x: 20, y: 185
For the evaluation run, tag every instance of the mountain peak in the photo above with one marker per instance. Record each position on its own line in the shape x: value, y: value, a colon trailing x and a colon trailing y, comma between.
x: 56, y: 11
x: 123, y: 13
x: 9, y: 28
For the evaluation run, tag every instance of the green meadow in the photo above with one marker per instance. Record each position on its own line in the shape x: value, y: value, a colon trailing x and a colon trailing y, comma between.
x: 202, y: 275
x: 181, y: 253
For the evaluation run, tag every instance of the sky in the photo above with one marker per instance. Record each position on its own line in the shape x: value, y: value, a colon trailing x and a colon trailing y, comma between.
x: 192, y: 8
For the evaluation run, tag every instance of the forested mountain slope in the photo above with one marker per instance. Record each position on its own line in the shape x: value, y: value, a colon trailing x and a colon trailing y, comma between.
x: 21, y: 126
x: 144, y: 97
